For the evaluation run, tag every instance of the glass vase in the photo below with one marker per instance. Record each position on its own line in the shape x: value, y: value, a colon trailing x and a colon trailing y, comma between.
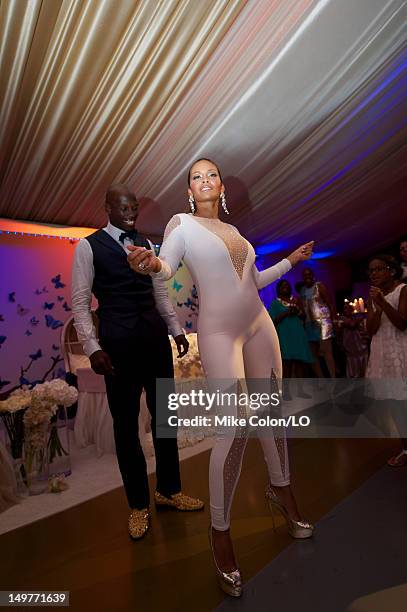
x: 59, y: 460
x: 20, y: 477
x: 36, y: 460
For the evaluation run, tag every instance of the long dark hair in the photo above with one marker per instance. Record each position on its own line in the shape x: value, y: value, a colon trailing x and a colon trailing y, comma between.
x: 279, y: 285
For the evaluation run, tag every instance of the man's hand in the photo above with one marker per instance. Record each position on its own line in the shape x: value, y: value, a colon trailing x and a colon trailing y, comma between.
x: 143, y: 261
x: 101, y: 364
x: 301, y: 254
x: 182, y: 345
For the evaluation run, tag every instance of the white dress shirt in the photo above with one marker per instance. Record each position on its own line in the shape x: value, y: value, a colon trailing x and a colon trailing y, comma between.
x: 83, y: 273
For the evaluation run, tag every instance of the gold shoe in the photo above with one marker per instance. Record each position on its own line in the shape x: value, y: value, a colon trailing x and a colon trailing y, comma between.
x: 296, y: 529
x: 229, y: 582
x: 179, y: 501
x: 139, y: 522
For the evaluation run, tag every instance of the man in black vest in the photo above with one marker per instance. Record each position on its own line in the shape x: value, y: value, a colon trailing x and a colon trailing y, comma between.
x: 133, y: 350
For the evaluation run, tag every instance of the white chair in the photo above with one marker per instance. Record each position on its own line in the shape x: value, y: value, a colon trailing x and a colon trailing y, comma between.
x: 93, y: 422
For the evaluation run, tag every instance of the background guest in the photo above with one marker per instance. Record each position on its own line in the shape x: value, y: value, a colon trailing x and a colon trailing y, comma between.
x: 403, y: 258
x: 320, y: 315
x: 354, y: 341
x: 286, y: 312
x: 387, y: 325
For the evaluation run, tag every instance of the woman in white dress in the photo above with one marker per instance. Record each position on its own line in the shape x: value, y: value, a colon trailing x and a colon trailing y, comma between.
x: 387, y: 325
x: 236, y: 338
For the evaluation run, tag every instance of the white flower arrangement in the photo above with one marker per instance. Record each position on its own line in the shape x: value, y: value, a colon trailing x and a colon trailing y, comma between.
x: 40, y: 404
x: 18, y: 400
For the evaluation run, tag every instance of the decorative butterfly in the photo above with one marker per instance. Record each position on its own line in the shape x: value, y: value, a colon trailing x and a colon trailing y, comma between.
x: 52, y: 323
x: 55, y: 347
x: 35, y: 356
x: 48, y: 305
x: 39, y: 291
x: 176, y: 286
x: 194, y: 292
x: 24, y: 381
x: 180, y: 304
x: 28, y: 333
x: 34, y: 321
x: 2, y: 340
x: 1, y: 317
x: 22, y: 311
x: 66, y: 307
x: 60, y: 298
x: 180, y: 265
x: 188, y: 324
x: 57, y: 282
x: 4, y: 383
x: 11, y: 296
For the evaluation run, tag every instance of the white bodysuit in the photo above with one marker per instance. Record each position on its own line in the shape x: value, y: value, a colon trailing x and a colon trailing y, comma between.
x: 236, y: 335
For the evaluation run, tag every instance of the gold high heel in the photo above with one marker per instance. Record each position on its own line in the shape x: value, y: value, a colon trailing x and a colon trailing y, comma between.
x: 296, y: 529
x: 229, y: 582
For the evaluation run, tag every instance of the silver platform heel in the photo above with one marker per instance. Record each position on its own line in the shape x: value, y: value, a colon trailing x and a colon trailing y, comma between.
x: 229, y: 582
x: 296, y: 529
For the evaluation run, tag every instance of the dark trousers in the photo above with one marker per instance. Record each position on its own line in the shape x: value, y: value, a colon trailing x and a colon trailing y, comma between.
x: 140, y: 357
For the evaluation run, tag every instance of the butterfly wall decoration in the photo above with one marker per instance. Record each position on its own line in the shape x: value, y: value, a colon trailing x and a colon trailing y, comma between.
x: 177, y: 286
x: 52, y: 323
x: 57, y: 282
x: 21, y: 311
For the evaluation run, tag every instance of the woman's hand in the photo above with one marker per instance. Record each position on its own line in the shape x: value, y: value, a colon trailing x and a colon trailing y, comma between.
x: 377, y: 296
x: 142, y: 260
x: 301, y: 254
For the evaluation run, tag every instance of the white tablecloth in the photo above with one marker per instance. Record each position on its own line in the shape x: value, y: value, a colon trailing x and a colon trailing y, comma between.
x: 93, y: 421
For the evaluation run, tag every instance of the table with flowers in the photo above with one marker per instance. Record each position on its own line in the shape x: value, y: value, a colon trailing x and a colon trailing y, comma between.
x: 36, y: 439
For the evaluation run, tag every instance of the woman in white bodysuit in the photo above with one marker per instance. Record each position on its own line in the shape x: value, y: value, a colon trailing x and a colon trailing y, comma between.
x: 237, y: 340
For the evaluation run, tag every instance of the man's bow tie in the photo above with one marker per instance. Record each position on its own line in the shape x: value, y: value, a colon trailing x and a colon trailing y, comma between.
x: 131, y: 235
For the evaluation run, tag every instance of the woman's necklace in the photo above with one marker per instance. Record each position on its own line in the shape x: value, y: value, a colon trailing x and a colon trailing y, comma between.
x: 285, y: 302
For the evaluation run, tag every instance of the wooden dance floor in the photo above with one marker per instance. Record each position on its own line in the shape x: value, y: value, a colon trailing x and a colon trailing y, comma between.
x: 86, y: 549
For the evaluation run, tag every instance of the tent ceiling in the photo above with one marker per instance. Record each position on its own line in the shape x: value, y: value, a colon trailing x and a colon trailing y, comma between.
x: 302, y: 103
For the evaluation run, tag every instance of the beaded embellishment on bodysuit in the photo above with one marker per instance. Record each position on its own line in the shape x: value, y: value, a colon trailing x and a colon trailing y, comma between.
x: 278, y: 432
x: 172, y: 224
x: 234, y: 457
x: 235, y: 244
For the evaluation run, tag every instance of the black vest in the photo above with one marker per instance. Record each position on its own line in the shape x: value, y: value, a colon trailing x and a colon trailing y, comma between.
x: 123, y: 295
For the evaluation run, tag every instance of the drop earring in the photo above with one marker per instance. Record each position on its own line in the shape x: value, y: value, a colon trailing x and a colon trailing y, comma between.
x: 223, y: 201
x: 192, y: 204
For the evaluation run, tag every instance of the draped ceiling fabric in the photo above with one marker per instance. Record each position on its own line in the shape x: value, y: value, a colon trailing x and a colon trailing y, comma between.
x: 301, y: 102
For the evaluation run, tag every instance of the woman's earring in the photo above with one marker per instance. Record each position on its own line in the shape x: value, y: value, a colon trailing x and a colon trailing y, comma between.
x: 223, y: 200
x: 192, y: 204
